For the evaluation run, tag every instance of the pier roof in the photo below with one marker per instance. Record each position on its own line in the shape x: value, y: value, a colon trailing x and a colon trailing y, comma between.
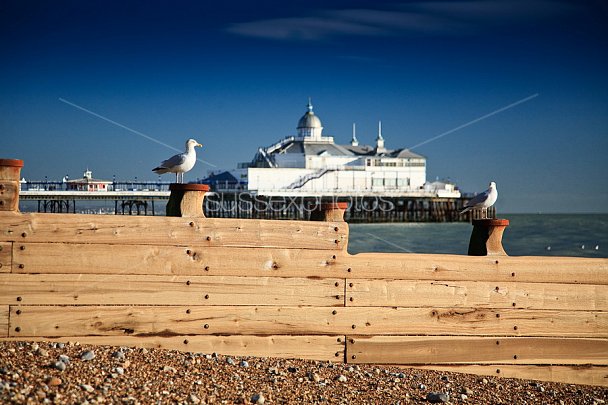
x: 406, y: 153
x: 333, y: 149
x: 327, y: 148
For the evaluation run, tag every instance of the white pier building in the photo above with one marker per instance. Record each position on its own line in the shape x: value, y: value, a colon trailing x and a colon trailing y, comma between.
x: 312, y: 164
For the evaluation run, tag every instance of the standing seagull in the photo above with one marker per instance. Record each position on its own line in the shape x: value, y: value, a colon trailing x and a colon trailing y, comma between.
x: 484, y: 201
x: 180, y: 163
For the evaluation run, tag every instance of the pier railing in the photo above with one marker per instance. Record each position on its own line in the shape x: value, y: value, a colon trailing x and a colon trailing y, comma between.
x: 290, y: 289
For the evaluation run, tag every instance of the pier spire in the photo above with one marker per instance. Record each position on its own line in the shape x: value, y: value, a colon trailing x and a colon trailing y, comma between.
x: 354, y: 141
x: 380, y: 140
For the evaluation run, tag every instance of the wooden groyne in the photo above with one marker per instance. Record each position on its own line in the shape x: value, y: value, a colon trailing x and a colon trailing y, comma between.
x: 291, y: 289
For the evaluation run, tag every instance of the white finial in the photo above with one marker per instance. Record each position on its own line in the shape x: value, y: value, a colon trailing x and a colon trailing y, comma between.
x: 380, y: 140
x: 354, y: 141
x: 309, y: 106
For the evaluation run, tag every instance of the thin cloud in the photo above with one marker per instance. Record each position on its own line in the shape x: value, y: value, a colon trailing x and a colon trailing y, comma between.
x: 493, y: 12
x: 352, y: 22
x: 412, y: 18
x: 393, y: 22
x: 302, y: 28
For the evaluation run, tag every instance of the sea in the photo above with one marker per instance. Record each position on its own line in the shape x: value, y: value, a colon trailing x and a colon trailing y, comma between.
x: 578, y: 235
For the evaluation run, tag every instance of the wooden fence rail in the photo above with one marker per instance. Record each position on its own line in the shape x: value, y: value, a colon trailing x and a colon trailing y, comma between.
x: 291, y: 289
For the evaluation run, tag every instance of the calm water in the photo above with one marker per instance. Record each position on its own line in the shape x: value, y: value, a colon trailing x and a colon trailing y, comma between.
x: 527, y: 235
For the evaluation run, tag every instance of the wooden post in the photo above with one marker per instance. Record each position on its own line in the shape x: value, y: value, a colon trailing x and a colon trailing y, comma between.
x: 331, y: 212
x: 186, y: 200
x: 10, y: 172
x: 486, y: 238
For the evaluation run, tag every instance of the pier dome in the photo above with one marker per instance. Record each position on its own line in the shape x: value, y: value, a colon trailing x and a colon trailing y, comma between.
x: 309, y: 125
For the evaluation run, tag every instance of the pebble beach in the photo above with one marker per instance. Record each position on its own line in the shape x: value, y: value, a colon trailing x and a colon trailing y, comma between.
x: 50, y: 372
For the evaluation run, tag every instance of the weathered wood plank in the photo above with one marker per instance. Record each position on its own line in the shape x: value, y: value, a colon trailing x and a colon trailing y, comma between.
x: 159, y: 231
x: 322, y: 348
x: 56, y: 321
x: 534, y: 269
x: 586, y: 375
x: 6, y: 257
x: 85, y: 289
x: 475, y: 350
x: 470, y: 322
x: 405, y: 293
x: 265, y: 320
x: 307, y: 235
x: 192, y: 259
x: 173, y: 260
x: 4, y: 318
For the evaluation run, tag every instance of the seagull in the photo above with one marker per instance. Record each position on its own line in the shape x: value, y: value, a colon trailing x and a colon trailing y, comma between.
x: 484, y: 201
x: 180, y: 163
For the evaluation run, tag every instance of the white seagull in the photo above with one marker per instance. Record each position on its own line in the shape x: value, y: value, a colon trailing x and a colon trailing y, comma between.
x: 484, y: 201
x: 180, y: 163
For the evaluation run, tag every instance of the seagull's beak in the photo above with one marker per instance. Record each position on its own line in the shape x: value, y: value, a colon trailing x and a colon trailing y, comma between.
x: 198, y: 144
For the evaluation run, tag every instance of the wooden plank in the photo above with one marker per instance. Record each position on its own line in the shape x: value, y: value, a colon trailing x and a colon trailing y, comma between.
x: 405, y: 293
x: 86, y: 289
x: 266, y: 320
x: 469, y: 322
x: 159, y: 231
x: 173, y: 260
x: 56, y: 321
x: 475, y: 350
x: 585, y: 375
x: 322, y: 348
x: 533, y: 269
x: 4, y: 320
x: 6, y: 257
x: 296, y: 262
x: 289, y: 234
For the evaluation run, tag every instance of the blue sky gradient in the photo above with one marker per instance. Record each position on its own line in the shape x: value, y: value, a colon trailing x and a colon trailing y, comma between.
x: 237, y: 75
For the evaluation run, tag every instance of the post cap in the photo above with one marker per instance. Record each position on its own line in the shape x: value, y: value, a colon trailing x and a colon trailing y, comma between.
x: 11, y: 162
x: 188, y: 187
x: 491, y: 222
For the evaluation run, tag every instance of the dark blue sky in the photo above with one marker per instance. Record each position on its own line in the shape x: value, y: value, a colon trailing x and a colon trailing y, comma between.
x: 237, y: 75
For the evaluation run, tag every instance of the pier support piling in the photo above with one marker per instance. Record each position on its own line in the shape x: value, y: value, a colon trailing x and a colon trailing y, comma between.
x: 486, y: 238
x: 331, y: 212
x: 10, y: 172
x: 186, y: 200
